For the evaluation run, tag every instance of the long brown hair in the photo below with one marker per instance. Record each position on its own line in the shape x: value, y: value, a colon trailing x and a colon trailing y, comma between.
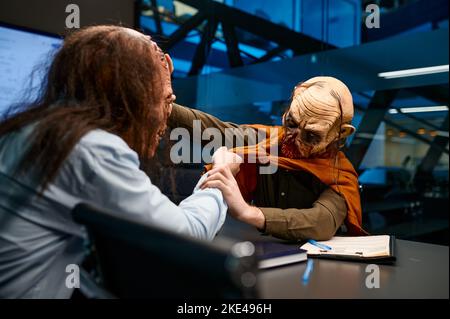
x: 103, y: 77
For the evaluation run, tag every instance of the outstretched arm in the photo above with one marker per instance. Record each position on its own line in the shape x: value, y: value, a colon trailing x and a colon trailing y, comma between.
x: 184, y: 117
x: 319, y: 222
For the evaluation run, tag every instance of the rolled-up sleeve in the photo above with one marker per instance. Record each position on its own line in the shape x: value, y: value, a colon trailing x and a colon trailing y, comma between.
x: 319, y: 222
x: 184, y: 117
x: 117, y: 183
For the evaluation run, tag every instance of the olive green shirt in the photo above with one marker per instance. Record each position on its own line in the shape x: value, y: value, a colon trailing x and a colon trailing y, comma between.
x: 296, y: 204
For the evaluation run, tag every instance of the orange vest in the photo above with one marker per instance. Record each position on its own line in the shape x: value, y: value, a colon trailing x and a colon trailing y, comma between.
x: 341, y: 177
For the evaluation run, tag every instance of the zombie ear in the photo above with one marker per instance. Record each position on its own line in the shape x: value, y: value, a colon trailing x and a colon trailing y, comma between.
x: 347, y: 130
x: 283, y: 118
x: 169, y: 62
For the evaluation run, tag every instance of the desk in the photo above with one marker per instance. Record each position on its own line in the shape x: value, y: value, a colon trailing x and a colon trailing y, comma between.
x: 421, y: 271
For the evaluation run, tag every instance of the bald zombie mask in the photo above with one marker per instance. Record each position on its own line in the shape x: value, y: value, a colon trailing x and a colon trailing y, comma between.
x: 316, y: 190
x: 318, y: 119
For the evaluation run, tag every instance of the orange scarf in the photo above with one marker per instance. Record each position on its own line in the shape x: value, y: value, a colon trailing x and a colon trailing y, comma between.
x: 341, y: 177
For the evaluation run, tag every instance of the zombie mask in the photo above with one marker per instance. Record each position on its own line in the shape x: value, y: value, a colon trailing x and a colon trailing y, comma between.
x: 318, y: 119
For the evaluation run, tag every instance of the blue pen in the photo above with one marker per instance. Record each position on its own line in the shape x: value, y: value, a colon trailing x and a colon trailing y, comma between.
x: 308, y: 270
x: 321, y: 246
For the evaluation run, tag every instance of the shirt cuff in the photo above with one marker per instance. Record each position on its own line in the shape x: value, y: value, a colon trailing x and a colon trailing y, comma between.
x: 276, y: 223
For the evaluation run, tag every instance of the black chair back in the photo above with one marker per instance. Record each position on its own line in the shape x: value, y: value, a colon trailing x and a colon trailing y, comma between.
x: 138, y: 260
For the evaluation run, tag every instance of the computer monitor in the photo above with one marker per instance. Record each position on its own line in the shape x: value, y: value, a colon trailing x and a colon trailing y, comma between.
x: 22, y: 51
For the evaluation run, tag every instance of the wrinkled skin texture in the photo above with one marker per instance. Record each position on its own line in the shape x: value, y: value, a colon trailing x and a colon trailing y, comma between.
x: 163, y: 85
x: 165, y: 70
x: 318, y: 119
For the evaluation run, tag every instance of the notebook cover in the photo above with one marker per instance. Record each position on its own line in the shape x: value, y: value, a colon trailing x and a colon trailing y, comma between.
x: 269, y: 250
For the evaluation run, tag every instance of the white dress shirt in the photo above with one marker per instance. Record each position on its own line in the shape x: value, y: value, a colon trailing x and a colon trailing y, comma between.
x: 38, y: 237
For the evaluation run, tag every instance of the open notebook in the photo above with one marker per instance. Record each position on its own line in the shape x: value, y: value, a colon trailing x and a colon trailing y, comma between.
x: 365, y: 248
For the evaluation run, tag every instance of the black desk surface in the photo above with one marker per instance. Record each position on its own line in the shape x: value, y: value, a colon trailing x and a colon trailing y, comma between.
x: 421, y: 271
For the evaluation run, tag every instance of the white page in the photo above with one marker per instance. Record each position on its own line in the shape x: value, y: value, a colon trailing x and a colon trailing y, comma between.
x: 365, y: 246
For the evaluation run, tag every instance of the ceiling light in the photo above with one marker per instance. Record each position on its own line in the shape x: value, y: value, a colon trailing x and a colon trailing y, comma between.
x: 420, y: 109
x: 414, y: 72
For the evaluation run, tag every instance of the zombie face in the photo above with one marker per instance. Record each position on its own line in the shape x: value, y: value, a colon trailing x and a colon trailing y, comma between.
x: 318, y: 119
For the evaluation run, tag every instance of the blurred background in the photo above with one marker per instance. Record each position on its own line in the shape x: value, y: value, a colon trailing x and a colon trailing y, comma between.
x: 239, y: 60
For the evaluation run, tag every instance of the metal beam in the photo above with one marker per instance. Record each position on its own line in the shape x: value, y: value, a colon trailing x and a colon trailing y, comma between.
x: 234, y: 55
x: 270, y: 54
x: 203, y: 48
x: 157, y: 17
x: 412, y: 133
x: 436, y: 93
x: 407, y: 131
x: 417, y: 136
x: 423, y: 178
x: 184, y: 30
x: 370, y: 122
x: 433, y: 155
x: 137, y: 14
x: 358, y: 67
x: 300, y: 43
x: 417, y: 119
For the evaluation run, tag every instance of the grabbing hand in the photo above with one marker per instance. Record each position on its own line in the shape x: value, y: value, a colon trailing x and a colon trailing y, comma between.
x: 223, y: 157
x: 222, y: 178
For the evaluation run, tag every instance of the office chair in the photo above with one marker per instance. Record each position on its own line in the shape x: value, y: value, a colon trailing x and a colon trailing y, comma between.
x: 138, y: 260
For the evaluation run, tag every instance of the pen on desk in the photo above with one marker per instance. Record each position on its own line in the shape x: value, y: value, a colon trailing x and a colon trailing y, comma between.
x: 308, y: 270
x: 321, y: 246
